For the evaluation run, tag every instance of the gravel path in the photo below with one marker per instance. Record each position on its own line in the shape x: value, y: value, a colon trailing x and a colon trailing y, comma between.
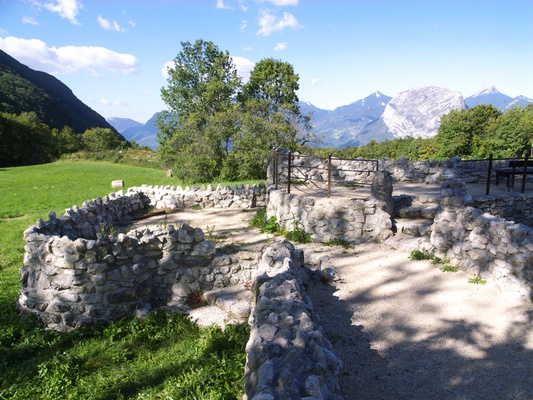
x: 406, y: 330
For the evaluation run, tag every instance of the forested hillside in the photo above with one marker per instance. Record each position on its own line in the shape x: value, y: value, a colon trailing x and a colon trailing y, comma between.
x: 23, y: 89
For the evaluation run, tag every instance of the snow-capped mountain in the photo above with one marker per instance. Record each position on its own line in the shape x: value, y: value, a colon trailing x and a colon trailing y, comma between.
x: 491, y: 95
x: 417, y: 112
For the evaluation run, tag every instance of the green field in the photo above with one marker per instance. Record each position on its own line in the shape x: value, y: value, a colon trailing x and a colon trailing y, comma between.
x: 162, y: 357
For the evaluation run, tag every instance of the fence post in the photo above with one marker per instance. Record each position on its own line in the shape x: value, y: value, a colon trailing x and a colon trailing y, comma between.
x: 524, y: 174
x: 487, y: 190
x: 289, y: 173
x: 329, y: 175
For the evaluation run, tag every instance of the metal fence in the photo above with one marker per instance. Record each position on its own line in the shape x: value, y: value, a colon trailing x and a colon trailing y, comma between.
x: 290, y: 168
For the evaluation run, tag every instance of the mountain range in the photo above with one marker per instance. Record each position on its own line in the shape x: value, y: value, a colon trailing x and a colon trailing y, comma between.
x: 23, y: 89
x: 414, y: 112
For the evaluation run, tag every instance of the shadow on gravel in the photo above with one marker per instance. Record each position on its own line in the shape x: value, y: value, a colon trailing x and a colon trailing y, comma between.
x: 428, y: 348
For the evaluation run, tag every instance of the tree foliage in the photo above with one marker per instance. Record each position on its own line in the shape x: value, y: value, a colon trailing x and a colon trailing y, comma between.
x: 216, y: 127
x: 99, y: 139
x: 464, y: 132
x: 25, y: 140
x: 512, y: 135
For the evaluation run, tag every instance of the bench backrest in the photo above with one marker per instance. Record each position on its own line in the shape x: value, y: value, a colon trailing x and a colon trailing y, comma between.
x: 520, y: 163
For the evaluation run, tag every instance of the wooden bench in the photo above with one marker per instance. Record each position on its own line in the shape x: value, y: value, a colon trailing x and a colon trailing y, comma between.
x: 515, y: 167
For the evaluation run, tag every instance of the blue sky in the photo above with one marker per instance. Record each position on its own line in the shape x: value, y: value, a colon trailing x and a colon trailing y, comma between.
x: 112, y: 53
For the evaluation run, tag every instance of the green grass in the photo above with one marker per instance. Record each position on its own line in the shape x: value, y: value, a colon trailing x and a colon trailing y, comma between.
x: 164, y: 356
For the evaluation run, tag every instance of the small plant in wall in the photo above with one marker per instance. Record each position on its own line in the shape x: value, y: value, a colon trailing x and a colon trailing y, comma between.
x: 265, y: 225
x: 477, y: 280
x: 298, y: 234
x: 107, y: 229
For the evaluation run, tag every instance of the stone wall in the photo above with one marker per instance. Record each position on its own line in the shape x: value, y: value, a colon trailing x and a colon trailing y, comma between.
x: 288, y: 356
x: 512, y: 207
x: 71, y: 282
x: 78, y: 270
x: 354, y: 220
x: 402, y: 170
x: 177, y: 198
x: 499, y: 250
x: 75, y: 274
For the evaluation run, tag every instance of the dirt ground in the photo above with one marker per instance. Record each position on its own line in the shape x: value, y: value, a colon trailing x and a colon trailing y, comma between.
x: 403, y: 328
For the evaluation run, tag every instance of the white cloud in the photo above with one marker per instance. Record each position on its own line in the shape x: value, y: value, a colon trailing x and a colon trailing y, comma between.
x: 244, y: 67
x: 65, y: 8
x: 247, y: 48
x: 166, y: 67
x: 108, y: 25
x: 281, y: 46
x: 107, y: 102
x: 29, y: 20
x: 244, y: 25
x: 281, y: 2
x: 221, y: 5
x: 133, y: 24
x: 67, y: 59
x: 270, y: 23
x: 314, y: 81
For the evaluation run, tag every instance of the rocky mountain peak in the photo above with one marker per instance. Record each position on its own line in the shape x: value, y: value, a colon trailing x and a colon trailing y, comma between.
x: 417, y: 112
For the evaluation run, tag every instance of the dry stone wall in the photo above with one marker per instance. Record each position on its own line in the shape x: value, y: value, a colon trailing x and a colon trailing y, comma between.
x: 288, y: 356
x: 512, y: 207
x: 402, y: 170
x: 77, y: 270
x: 177, y: 198
x: 356, y: 220
x: 497, y: 249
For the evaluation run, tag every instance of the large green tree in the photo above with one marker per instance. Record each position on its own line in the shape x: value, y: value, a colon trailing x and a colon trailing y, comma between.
x: 270, y: 117
x: 215, y: 127
x: 200, y: 93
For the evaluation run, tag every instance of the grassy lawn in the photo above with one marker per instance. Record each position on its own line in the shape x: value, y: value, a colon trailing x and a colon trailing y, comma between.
x: 162, y: 357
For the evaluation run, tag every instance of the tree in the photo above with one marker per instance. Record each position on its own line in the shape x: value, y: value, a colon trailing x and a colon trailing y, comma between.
x: 67, y: 141
x: 512, y: 135
x: 271, y: 117
x: 274, y: 82
x: 200, y: 93
x: 25, y: 140
x: 463, y: 132
x: 202, y: 82
x: 99, y: 139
